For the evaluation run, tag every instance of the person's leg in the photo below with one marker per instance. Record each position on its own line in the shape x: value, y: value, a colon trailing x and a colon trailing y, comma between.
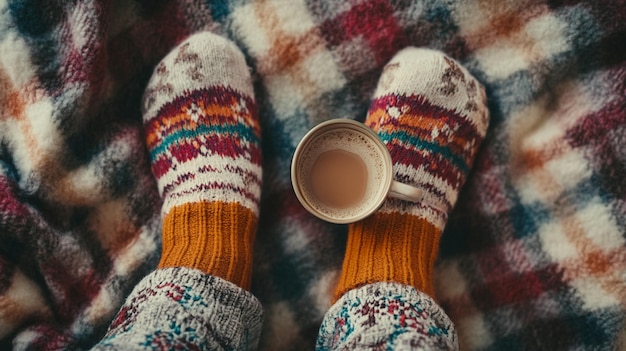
x: 432, y: 115
x: 203, y: 135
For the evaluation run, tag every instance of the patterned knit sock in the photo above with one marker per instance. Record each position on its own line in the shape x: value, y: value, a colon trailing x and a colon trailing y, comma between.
x: 432, y: 115
x: 203, y: 135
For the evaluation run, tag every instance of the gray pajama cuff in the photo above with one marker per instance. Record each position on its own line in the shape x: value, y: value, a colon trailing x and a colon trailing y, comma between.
x: 386, y: 316
x: 182, y: 308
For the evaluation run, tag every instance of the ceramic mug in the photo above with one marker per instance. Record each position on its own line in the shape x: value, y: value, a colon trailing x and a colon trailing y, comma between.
x: 356, y: 139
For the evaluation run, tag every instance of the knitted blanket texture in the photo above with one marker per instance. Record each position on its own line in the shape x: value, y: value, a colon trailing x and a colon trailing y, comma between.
x: 533, y: 256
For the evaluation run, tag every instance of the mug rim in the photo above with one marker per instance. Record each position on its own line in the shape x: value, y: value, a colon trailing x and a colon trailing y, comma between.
x: 361, y: 128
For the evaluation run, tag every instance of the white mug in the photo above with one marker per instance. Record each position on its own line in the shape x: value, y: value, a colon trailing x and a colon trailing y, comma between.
x: 360, y: 140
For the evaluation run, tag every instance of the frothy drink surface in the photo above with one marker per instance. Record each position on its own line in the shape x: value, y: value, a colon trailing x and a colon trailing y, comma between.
x: 342, y: 172
x: 339, y: 178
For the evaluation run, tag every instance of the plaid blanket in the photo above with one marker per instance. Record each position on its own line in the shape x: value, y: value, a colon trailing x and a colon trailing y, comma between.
x: 534, y: 255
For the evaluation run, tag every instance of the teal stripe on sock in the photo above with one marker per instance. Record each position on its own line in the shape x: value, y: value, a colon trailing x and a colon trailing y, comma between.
x: 241, y: 130
x: 418, y: 143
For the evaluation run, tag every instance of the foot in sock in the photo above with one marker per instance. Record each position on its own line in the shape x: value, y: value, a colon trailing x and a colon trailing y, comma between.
x: 432, y: 115
x: 203, y: 135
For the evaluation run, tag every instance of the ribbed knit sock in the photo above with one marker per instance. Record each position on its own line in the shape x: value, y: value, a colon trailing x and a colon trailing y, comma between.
x: 432, y: 115
x: 203, y: 134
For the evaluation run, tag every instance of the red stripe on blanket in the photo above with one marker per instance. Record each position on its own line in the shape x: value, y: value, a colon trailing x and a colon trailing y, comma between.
x: 15, y: 215
x: 151, y: 37
x: 601, y: 134
x: 371, y: 20
x: 512, y: 287
x: 73, y: 292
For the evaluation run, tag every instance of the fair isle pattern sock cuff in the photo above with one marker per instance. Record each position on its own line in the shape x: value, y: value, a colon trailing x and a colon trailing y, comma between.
x: 432, y: 115
x: 201, y: 125
x: 205, y: 146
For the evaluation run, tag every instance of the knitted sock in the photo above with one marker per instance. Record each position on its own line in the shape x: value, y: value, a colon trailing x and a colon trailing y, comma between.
x: 432, y: 115
x: 203, y: 135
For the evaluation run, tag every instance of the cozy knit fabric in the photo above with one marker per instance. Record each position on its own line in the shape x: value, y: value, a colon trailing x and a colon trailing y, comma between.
x: 390, y: 247
x: 531, y: 257
x: 203, y: 136
x: 386, y: 316
x: 432, y: 115
x: 185, y: 309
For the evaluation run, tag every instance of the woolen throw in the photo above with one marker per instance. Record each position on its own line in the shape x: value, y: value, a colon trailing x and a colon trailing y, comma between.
x: 533, y: 256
